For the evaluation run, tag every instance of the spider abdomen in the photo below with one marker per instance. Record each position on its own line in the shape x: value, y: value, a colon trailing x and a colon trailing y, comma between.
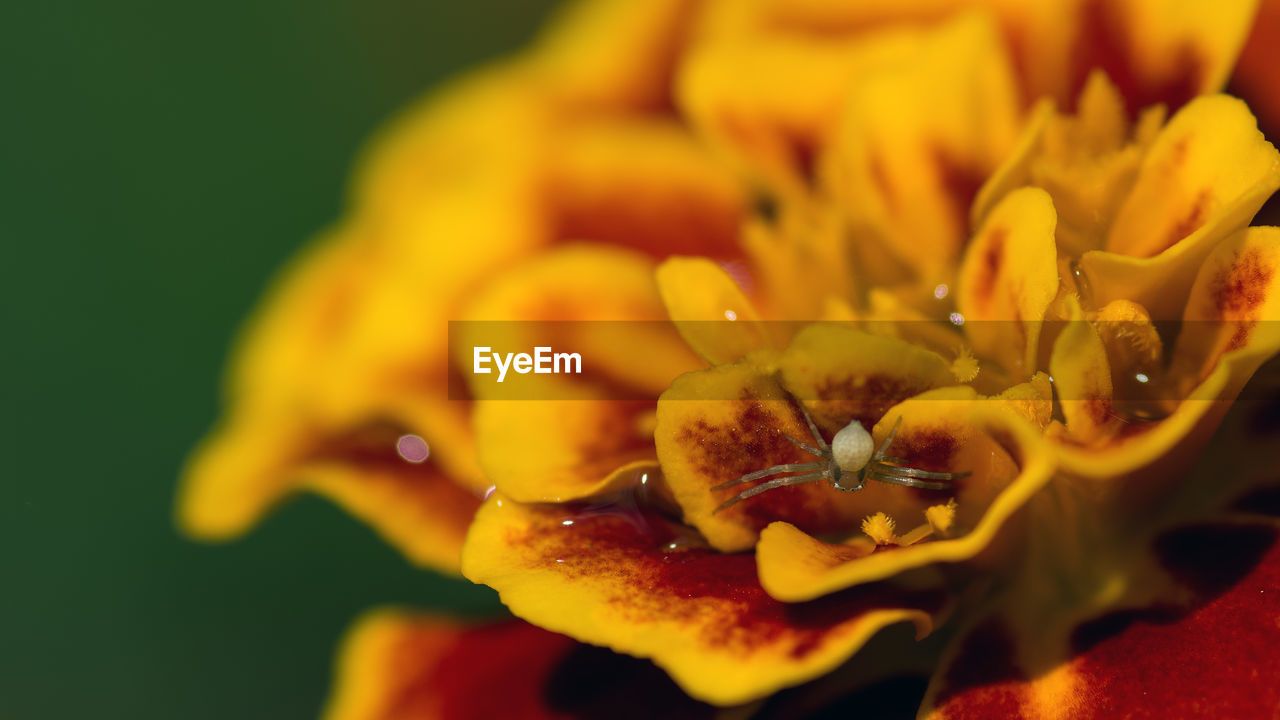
x: 852, y: 447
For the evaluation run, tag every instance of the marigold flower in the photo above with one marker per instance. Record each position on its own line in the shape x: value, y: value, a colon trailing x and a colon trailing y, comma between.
x: 961, y: 225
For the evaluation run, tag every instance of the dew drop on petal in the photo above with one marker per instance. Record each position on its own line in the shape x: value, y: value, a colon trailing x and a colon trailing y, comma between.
x: 730, y: 315
x: 940, y: 291
x: 413, y: 448
x: 1141, y: 377
x: 957, y: 318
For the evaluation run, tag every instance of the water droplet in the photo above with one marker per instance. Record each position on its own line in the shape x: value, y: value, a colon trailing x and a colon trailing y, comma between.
x: 941, y: 291
x: 957, y: 319
x: 413, y: 448
x: 730, y: 315
x: 1141, y: 377
x: 567, y: 523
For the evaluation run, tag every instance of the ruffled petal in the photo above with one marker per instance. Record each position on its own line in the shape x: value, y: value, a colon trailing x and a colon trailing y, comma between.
x: 614, y: 55
x: 842, y: 374
x: 417, y: 507
x: 619, y: 577
x: 710, y: 310
x: 944, y: 430
x: 774, y: 127
x: 642, y: 183
x: 719, y: 424
x: 1229, y: 330
x: 1082, y: 378
x: 561, y: 450
x: 1234, y: 305
x: 399, y: 665
x: 1155, y: 52
x: 1008, y: 279
x: 1204, y: 177
x: 907, y: 173
x: 598, y: 301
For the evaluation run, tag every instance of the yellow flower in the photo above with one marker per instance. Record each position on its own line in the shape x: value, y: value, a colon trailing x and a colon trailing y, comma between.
x: 869, y: 212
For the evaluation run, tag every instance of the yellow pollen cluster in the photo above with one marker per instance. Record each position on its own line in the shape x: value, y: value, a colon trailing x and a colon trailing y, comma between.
x: 879, y: 527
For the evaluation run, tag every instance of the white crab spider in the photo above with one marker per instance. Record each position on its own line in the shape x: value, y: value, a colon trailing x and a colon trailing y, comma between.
x: 851, y: 451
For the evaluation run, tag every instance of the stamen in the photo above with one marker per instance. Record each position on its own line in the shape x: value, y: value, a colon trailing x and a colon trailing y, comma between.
x: 942, y: 517
x: 965, y: 367
x: 879, y: 527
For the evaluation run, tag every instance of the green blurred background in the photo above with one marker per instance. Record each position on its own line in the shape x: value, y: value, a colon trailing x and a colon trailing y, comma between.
x: 160, y: 161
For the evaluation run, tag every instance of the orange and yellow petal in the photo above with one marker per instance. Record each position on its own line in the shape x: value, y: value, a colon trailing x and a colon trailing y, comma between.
x: 1008, y: 279
x: 417, y: 507
x: 1155, y: 52
x: 905, y: 172
x: 562, y: 450
x: 1206, y: 174
x: 642, y: 183
x: 614, y: 55
x: 402, y: 665
x: 843, y: 374
x: 718, y: 424
x: 627, y: 579
x: 773, y: 128
x: 950, y: 431
x: 1234, y: 305
x: 1229, y: 330
x: 596, y: 300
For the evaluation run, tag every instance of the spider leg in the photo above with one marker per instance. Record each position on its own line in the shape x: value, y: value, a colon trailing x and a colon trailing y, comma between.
x: 884, y: 446
x: 764, y: 487
x: 806, y: 446
x: 775, y: 470
x: 911, y: 477
x: 813, y: 427
x: 908, y: 482
x: 917, y: 473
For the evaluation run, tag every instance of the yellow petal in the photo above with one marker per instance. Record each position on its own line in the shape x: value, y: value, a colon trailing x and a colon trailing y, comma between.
x: 1082, y: 376
x: 1157, y: 52
x: 1010, y: 463
x: 614, y: 54
x: 1008, y: 278
x: 1229, y: 331
x: 710, y: 310
x: 843, y: 374
x: 621, y: 578
x: 773, y: 127
x: 1234, y: 305
x: 1205, y: 176
x: 717, y: 425
x: 560, y: 450
x: 642, y: 183
x: 239, y: 473
x: 906, y: 172
x: 598, y: 301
